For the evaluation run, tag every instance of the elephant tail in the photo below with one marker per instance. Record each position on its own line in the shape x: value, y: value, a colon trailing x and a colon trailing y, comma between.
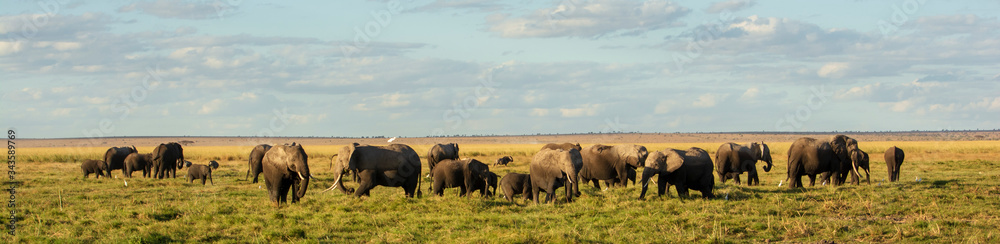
x: 419, y: 180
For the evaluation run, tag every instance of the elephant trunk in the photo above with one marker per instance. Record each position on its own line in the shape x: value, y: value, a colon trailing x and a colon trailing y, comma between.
x: 644, y: 183
x: 303, y: 185
x: 339, y: 184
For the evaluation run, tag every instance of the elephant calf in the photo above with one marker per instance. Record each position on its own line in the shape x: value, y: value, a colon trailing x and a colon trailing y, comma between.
x: 467, y: 174
x: 516, y: 183
x: 504, y: 160
x: 93, y: 166
x: 139, y: 162
x: 201, y: 171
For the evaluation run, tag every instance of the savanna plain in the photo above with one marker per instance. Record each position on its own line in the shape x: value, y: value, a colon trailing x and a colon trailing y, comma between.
x: 948, y: 193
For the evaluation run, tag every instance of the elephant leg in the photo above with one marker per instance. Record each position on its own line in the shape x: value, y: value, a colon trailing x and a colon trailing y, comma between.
x: 736, y: 178
x: 366, y: 184
x: 661, y: 185
x: 682, y: 191
x: 534, y: 193
x: 295, y: 185
x: 283, y: 188
x: 203, y: 180
x: 462, y: 191
x: 812, y: 180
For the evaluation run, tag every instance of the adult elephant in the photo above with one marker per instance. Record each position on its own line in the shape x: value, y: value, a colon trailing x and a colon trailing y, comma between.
x: 563, y: 146
x: 256, y: 157
x: 893, y: 159
x: 809, y: 156
x: 286, y: 167
x: 733, y: 159
x: 138, y: 162
x: 611, y: 163
x: 114, y: 158
x: 440, y: 152
x: 688, y: 169
x: 551, y: 169
x: 859, y: 161
x: 167, y: 159
x: 467, y: 174
x: 395, y: 165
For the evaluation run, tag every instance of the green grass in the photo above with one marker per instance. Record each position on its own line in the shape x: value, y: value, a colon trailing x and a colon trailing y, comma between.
x: 955, y: 201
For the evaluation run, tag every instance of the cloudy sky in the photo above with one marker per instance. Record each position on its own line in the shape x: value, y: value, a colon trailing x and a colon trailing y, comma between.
x: 417, y: 68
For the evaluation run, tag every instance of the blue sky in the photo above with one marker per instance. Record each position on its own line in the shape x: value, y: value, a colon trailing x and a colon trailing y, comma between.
x: 418, y: 68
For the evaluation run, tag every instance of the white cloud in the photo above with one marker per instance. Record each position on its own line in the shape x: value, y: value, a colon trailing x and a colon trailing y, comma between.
x: 211, y: 106
x: 664, y: 106
x: 731, y: 5
x: 590, y: 19
x: 539, y: 112
x: 583, y: 110
x: 394, y: 100
x: 750, y: 94
x: 709, y: 100
x: 179, y: 9
x: 833, y: 70
x: 7, y: 48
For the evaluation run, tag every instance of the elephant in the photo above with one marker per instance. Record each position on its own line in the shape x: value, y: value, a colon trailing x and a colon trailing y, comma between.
x: 167, y: 159
x: 201, y: 171
x: 809, y: 156
x: 93, y: 166
x: 611, y: 163
x: 466, y: 174
x: 256, y: 156
x: 688, y: 169
x: 516, y: 183
x: 551, y: 169
x: 491, y: 183
x: 440, y: 152
x: 859, y: 159
x: 395, y: 165
x: 733, y: 159
x: 563, y: 146
x: 893, y: 159
x: 286, y: 167
x: 504, y: 160
x: 138, y: 162
x: 114, y: 158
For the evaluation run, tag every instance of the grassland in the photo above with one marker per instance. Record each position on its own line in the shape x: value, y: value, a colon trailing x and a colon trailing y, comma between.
x: 956, y: 200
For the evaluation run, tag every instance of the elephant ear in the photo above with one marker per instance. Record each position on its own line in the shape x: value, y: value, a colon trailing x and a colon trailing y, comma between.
x: 674, y: 160
x: 352, y: 156
x: 765, y: 152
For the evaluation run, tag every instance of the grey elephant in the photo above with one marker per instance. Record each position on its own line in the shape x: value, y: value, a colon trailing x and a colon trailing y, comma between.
x: 563, y: 146
x: 201, y: 172
x: 551, y: 169
x: 859, y: 161
x: 687, y: 169
x: 256, y: 157
x: 492, y: 179
x: 167, y: 159
x: 114, y: 158
x: 395, y: 165
x: 93, y: 166
x: 286, y: 167
x: 467, y: 174
x: 504, y: 160
x: 138, y: 162
x: 809, y: 156
x: 440, y: 152
x: 733, y: 159
x: 516, y: 183
x: 893, y: 160
x: 611, y: 163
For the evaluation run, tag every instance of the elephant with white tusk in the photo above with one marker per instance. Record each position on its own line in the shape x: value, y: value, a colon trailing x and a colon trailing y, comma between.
x: 284, y: 167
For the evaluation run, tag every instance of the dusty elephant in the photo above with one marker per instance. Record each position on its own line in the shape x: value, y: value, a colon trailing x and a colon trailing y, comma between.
x: 611, y: 163
x: 440, y: 152
x: 395, y: 165
x: 201, y: 172
x: 167, y: 159
x: 286, y: 167
x: 492, y: 179
x: 733, y: 159
x: 551, y: 169
x: 93, y: 166
x: 808, y: 156
x: 689, y: 169
x: 138, y: 162
x: 466, y: 174
x: 563, y: 146
x: 114, y: 158
x: 516, y: 183
x: 504, y: 160
x: 893, y: 160
x: 859, y: 161
x: 256, y: 157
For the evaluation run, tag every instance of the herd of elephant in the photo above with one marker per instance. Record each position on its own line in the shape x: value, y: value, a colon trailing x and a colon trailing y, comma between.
x: 163, y: 162
x: 285, y: 167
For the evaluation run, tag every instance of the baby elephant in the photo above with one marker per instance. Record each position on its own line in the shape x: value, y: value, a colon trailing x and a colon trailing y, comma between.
x: 516, y: 183
x: 201, y: 171
x: 93, y: 166
x: 504, y: 160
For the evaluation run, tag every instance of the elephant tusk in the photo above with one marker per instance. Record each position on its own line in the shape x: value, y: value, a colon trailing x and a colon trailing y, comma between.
x: 334, y: 184
x: 301, y: 177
